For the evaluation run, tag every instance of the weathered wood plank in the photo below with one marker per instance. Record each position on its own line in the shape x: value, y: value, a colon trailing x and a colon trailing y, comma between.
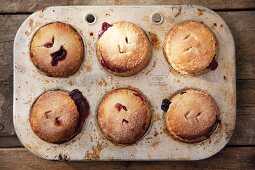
x: 32, y: 6
x: 242, y: 26
x: 228, y: 158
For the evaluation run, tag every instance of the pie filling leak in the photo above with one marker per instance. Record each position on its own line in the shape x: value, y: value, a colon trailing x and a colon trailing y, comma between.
x: 165, y: 105
x: 119, y: 106
x: 104, y: 28
x: 57, y: 56
x: 82, y: 106
x: 213, y: 65
x: 50, y: 44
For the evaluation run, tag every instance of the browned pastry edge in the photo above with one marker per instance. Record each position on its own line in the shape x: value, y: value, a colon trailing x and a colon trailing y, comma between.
x: 145, y: 130
x: 38, y: 134
x: 213, y: 128
x: 47, y: 71
x: 121, y: 71
x: 199, y: 72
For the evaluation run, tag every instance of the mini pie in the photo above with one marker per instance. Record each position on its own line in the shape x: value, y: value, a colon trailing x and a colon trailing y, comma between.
x: 124, y: 115
x: 191, y: 48
x: 57, y: 50
x: 123, y: 48
x: 57, y: 116
x: 191, y: 116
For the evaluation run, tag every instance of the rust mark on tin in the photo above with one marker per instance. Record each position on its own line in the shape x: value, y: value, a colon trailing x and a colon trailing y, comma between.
x: 155, y: 133
x: 153, y: 66
x: 32, y: 26
x: 94, y: 154
x: 157, y: 117
x: 148, y: 138
x: 155, y: 42
x: 102, y: 82
x: 27, y: 33
x: 154, y: 144
x: 200, y: 11
x: 63, y: 157
x: 71, y: 83
x: 28, y: 101
x: 87, y: 68
x: 179, y: 10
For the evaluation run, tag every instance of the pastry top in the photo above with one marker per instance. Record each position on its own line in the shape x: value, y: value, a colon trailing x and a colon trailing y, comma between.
x: 191, y: 115
x: 124, y: 115
x: 190, y: 47
x: 54, y: 117
x: 124, y: 49
x: 57, y: 49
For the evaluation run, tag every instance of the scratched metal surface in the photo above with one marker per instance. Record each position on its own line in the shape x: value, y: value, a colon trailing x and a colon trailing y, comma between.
x: 156, y: 81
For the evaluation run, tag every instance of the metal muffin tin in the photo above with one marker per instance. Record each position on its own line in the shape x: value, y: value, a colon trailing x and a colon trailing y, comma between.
x: 156, y: 81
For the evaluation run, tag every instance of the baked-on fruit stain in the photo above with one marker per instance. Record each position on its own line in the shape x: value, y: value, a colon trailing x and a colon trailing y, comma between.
x: 57, y: 56
x: 213, y: 65
x: 104, y: 28
x: 82, y: 106
x: 126, y: 39
x: 119, y: 106
x: 165, y: 105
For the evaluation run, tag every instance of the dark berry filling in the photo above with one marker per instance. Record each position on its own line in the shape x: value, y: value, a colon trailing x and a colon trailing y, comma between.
x: 213, y: 65
x: 139, y: 95
x: 119, y: 106
x: 103, y: 63
x: 82, y: 106
x: 49, y: 45
x: 126, y: 40
x: 165, y: 105
x: 57, y: 121
x: 57, y: 56
x: 104, y: 28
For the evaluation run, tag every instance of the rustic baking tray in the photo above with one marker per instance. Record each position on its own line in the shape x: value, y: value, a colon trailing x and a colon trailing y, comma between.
x: 156, y: 81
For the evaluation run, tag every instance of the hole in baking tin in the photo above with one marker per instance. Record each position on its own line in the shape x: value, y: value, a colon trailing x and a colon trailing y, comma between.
x: 157, y: 18
x: 90, y: 18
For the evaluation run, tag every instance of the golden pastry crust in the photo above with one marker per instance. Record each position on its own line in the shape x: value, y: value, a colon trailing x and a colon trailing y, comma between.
x: 124, y: 115
x: 48, y: 40
x: 54, y: 117
x: 124, y: 48
x: 191, y: 116
x: 190, y: 47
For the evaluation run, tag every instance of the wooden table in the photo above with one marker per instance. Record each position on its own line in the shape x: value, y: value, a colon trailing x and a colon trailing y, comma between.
x: 240, y: 151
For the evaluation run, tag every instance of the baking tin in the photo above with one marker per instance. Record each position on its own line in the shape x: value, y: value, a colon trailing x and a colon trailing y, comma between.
x: 156, y: 81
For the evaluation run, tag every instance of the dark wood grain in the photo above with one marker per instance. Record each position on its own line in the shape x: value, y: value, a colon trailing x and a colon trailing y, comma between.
x: 32, y: 6
x: 228, y: 158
